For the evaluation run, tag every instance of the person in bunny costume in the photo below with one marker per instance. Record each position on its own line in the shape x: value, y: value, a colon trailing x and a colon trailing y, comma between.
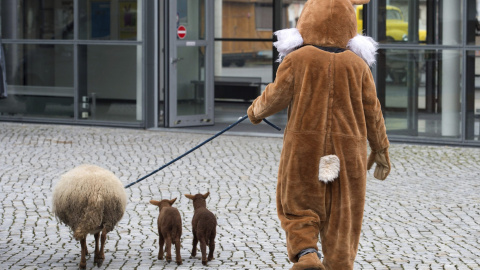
x: 333, y: 111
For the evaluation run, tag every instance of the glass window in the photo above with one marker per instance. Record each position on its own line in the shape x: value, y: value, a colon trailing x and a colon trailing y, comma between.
x: 110, y: 20
x: 473, y: 22
x: 191, y: 17
x: 263, y: 16
x: 110, y: 82
x: 40, y: 80
x: 246, y: 59
x: 244, y: 19
x: 191, y: 83
x: 421, y: 92
x: 473, y: 96
x: 47, y: 19
x: 431, y: 22
x: 292, y: 13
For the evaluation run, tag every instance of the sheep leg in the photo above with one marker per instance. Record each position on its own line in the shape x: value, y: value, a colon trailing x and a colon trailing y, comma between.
x: 100, y: 255
x: 168, y: 248
x: 194, y: 249
x: 97, y: 237
x: 161, y: 243
x: 211, y: 249
x: 203, y: 249
x: 83, y: 260
x: 178, y: 257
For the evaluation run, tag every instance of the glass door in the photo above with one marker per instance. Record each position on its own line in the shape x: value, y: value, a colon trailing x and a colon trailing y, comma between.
x: 190, y: 56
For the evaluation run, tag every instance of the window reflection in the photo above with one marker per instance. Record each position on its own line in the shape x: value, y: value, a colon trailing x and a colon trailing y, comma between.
x: 110, y: 85
x: 401, y: 21
x: 473, y: 96
x: 254, y: 62
x: 473, y: 22
x: 421, y: 92
x: 47, y: 19
x: 189, y: 12
x: 110, y: 19
x: 39, y: 79
x: 431, y: 22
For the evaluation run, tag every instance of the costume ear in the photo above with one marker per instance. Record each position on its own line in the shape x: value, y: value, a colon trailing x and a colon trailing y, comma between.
x: 359, y: 2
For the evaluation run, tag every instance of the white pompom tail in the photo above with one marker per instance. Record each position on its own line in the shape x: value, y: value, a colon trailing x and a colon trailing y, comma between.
x: 288, y: 41
x: 365, y: 47
x: 329, y: 168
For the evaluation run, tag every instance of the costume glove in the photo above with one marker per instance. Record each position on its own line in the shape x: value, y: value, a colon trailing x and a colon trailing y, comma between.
x: 383, y: 163
x: 251, y: 116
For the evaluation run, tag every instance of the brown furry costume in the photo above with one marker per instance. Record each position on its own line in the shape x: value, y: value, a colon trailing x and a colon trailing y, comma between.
x: 332, y: 109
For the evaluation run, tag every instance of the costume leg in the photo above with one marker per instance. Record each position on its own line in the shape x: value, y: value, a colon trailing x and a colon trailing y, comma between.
x: 300, y: 222
x: 341, y: 231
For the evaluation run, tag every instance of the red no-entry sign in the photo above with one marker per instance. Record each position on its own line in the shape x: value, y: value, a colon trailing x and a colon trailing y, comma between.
x: 181, y: 32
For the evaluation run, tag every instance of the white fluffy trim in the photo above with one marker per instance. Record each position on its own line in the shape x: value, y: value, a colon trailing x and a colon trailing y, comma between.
x: 365, y: 47
x: 329, y: 168
x: 288, y: 41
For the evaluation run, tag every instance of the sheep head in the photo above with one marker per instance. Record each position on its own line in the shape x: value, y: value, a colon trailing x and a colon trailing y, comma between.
x: 163, y: 203
x: 198, y: 199
x: 193, y: 197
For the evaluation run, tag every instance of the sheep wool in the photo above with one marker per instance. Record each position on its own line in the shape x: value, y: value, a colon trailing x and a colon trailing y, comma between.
x: 88, y: 199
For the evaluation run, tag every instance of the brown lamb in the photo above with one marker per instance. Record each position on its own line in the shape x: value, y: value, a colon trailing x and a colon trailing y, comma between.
x: 204, y: 227
x: 169, y: 229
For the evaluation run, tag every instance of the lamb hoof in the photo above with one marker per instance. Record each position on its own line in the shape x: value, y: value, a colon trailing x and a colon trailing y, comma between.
x: 98, y: 262
x: 82, y: 266
x: 160, y: 257
x: 204, y: 262
x: 209, y: 259
x: 179, y: 262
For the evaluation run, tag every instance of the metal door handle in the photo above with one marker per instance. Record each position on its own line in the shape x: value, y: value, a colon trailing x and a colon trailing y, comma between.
x: 176, y: 60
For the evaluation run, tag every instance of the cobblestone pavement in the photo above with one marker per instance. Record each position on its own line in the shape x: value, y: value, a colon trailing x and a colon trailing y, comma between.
x: 426, y: 215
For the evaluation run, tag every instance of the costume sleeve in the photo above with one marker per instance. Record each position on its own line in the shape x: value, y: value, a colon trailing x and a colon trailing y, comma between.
x: 277, y: 95
x: 376, y: 131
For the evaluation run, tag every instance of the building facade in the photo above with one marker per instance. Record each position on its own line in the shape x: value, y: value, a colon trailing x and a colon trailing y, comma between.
x: 184, y: 63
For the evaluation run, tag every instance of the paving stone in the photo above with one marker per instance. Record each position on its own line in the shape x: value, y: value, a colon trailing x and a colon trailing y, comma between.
x: 426, y: 215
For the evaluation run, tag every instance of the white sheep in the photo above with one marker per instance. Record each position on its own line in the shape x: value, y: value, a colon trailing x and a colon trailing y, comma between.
x: 89, y: 200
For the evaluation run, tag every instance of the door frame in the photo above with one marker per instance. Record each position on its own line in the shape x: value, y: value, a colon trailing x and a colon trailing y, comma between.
x: 171, y: 45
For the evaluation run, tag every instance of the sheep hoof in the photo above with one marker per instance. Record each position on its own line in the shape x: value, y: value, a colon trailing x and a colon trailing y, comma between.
x: 179, y: 262
x: 204, y: 262
x: 82, y: 265
x: 209, y: 259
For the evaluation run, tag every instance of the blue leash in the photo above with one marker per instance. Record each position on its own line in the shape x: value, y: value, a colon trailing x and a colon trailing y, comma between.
x: 198, y: 146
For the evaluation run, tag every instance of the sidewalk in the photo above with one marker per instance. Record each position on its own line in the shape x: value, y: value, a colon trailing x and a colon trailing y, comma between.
x: 426, y: 215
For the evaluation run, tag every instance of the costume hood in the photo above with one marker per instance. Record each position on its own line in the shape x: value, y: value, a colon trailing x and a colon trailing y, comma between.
x: 327, y: 23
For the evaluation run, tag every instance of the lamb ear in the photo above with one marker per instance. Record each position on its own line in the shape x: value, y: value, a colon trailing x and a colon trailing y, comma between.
x: 154, y: 202
x: 206, y: 195
x: 172, y: 201
x: 191, y: 197
x: 359, y: 2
